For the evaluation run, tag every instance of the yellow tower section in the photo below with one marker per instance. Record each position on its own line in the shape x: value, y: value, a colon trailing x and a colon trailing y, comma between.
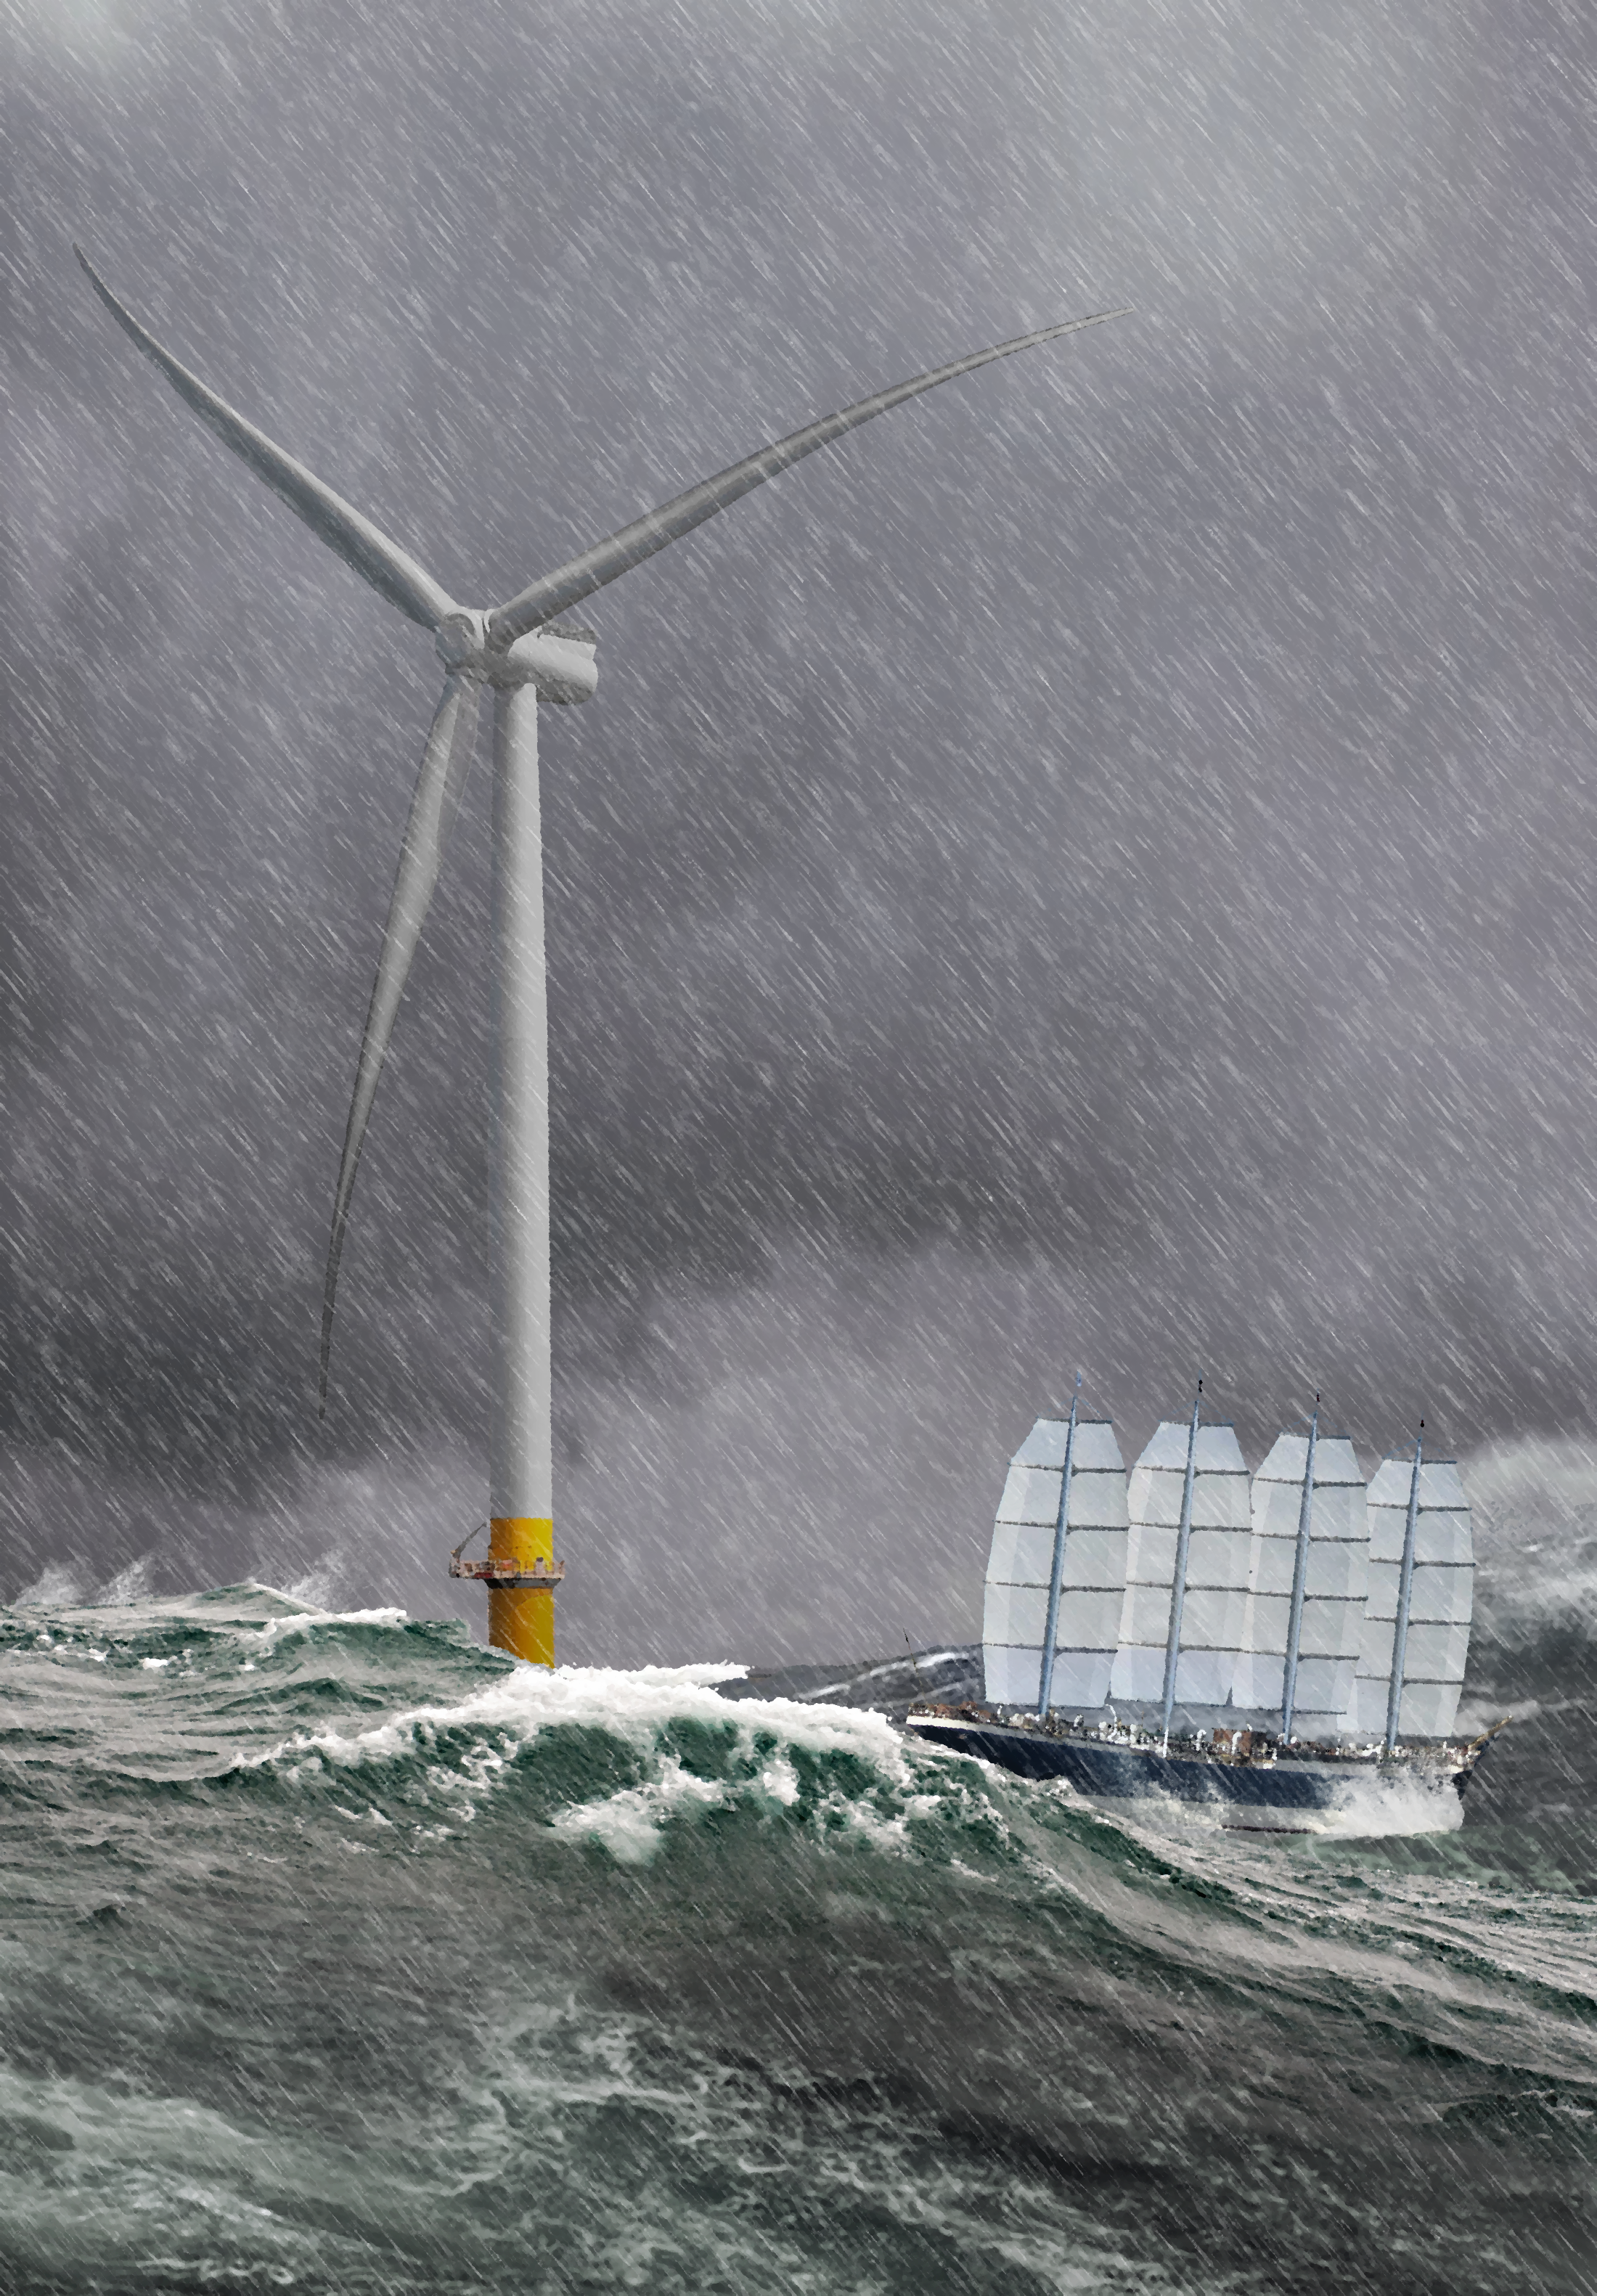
x: 521, y: 1613
x: 521, y: 1575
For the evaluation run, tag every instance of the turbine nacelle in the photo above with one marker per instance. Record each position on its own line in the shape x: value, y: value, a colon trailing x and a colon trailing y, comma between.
x: 556, y: 659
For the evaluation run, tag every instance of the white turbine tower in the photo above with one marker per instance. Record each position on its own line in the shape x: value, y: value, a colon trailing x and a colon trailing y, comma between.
x: 519, y: 650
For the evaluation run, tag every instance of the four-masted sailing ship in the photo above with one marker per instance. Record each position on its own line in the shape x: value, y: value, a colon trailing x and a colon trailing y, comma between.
x: 1286, y: 1649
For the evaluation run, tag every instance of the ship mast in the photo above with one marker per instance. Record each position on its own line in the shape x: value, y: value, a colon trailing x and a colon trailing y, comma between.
x: 1406, y: 1587
x: 1178, y: 1582
x: 1056, y: 1578
x: 1289, y: 1680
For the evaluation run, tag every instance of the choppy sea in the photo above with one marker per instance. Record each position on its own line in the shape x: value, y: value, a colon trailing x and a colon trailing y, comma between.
x: 338, y: 1953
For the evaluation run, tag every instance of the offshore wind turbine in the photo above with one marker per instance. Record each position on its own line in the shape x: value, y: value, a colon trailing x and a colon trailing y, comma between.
x: 523, y: 652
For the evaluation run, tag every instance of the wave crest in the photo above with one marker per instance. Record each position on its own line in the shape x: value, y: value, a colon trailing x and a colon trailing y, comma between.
x: 659, y: 1744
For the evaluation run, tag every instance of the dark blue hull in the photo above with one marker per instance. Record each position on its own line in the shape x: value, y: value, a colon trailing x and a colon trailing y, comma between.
x: 1292, y: 1796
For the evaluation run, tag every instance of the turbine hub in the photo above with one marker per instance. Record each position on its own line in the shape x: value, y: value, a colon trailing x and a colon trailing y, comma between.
x: 557, y: 658
x: 461, y: 640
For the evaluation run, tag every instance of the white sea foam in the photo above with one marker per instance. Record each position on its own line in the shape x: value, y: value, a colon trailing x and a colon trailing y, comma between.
x: 632, y: 1704
x: 638, y: 1707
x: 54, y: 1589
x: 301, y: 1622
x: 128, y: 1587
x: 316, y: 1587
x: 1367, y: 1806
x: 628, y: 1824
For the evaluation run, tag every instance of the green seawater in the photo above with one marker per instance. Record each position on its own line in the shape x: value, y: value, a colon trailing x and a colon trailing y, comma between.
x: 340, y: 1953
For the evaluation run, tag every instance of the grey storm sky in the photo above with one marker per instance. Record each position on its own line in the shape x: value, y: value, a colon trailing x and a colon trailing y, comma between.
x: 1097, y: 870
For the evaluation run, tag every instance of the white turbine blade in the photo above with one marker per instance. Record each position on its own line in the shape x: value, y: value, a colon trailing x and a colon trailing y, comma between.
x: 445, y: 764
x: 357, y: 542
x: 580, y: 577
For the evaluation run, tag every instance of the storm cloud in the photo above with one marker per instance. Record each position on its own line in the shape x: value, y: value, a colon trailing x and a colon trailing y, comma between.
x: 1096, y: 870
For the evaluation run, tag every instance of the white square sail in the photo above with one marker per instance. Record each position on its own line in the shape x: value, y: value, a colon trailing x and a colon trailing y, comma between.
x: 1092, y: 1578
x: 1441, y: 1601
x: 1214, y: 1608
x: 1335, y: 1586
